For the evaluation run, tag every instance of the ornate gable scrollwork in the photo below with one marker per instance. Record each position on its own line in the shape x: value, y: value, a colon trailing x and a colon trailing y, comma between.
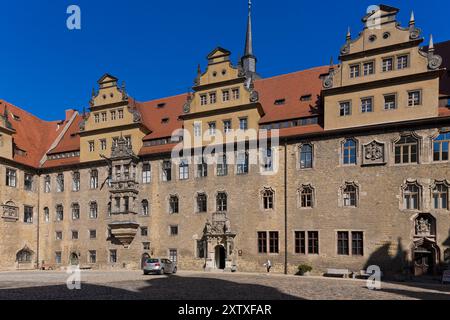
x: 122, y: 149
x: 374, y: 153
x: 134, y: 111
x: 434, y: 61
x: 187, y: 104
x: 250, y: 87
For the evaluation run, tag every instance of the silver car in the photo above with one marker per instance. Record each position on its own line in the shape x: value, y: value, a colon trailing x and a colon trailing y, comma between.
x: 159, y: 266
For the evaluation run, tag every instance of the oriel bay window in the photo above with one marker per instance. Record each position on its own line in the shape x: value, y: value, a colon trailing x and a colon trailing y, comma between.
x: 441, y: 147
x: 406, y: 150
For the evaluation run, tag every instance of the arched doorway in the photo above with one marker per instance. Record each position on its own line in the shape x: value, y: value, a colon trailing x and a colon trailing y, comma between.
x: 144, y: 258
x: 425, y: 257
x: 220, y: 257
x: 74, y: 259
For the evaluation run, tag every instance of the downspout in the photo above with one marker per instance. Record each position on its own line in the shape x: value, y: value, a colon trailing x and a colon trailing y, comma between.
x: 38, y: 220
x: 285, y: 211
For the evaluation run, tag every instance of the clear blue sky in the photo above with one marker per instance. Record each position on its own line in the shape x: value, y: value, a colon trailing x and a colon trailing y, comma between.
x: 155, y: 46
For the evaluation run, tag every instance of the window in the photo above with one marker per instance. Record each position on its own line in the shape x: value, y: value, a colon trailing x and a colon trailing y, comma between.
x: 242, y: 162
x: 173, y: 204
x: 222, y: 166
x: 92, y: 256
x: 58, y: 235
x: 411, y: 197
x: 390, y: 102
x: 267, y: 159
x: 406, y: 150
x: 388, y: 64
x: 441, y: 147
x: 366, y: 105
x: 11, y: 176
x: 112, y: 256
x: 268, y: 197
x: 173, y: 230
x: 212, y: 128
x: 173, y: 255
x: 126, y: 204
x: 313, y: 242
x: 202, y: 203
x: 343, y: 243
x: 300, y: 242
x: 104, y: 116
x: 103, y: 144
x: 212, y: 98
x: 60, y: 182
x: 59, y: 213
x: 280, y: 102
x: 28, y: 182
x: 128, y: 138
x: 355, y: 71
x: 235, y: 94
x: 201, y: 249
x: 307, y: 97
x: 225, y: 95
x: 96, y: 118
x: 28, y: 214
x: 440, y: 196
x: 349, y: 152
x: 75, y: 211
x: 76, y: 181
x: 350, y: 195
x: 243, y: 123
x: 144, y: 207
x: 47, y: 186
x: 184, y: 169
x: 273, y: 242
x: 92, y: 234
x: 227, y: 126
x: 91, y: 146
x: 369, y: 68
x: 357, y: 243
x: 146, y: 173
x: 203, y: 100
x: 262, y: 242
x: 221, y: 200
x: 120, y: 112
x: 93, y: 210
x: 202, y: 168
x: 166, y: 171
x: 24, y: 256
x: 46, y: 214
x: 306, y: 156
x: 414, y: 98
x: 306, y: 197
x: 144, y: 231
x: 146, y: 245
x: 113, y: 115
x: 345, y: 108
x: 197, y: 129
x: 402, y: 62
x: 74, y: 235
x: 93, y: 179
x: 58, y: 257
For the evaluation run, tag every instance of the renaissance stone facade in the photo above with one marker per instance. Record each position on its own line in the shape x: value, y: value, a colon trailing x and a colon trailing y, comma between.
x: 356, y: 171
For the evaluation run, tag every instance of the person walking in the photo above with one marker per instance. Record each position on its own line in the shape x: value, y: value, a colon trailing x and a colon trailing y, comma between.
x: 268, y: 265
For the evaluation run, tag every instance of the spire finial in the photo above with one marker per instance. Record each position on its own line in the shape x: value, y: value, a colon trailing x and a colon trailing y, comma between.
x: 431, y: 44
x: 412, y: 20
x: 349, y: 34
x: 249, y: 35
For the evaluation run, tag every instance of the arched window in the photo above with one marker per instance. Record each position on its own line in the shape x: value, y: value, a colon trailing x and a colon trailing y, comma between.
x: 350, y: 195
x: 411, y: 196
x: 440, y: 147
x: 202, y: 202
x: 145, y: 207
x: 75, y: 211
x: 24, y: 256
x: 93, y: 210
x: 221, y: 201
x: 94, y: 179
x: 440, y: 196
x: 59, y: 212
x: 306, y: 156
x: 406, y: 150
x: 349, y: 152
x: 268, y: 199
x: 173, y: 204
x: 306, y: 197
x: 46, y: 214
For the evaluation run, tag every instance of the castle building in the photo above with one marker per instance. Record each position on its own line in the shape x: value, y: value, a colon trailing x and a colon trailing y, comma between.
x: 339, y: 166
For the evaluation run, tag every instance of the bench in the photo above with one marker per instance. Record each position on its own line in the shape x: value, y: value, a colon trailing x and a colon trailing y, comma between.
x: 338, y: 272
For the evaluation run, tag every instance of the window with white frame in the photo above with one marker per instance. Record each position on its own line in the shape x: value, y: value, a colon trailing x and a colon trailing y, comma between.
x: 414, y: 98
x: 94, y: 179
x: 222, y: 165
x: 350, y: 195
x: 390, y: 102
x: 440, y: 196
x: 75, y: 211
x: 183, y: 169
x: 60, y: 182
x: 366, y: 105
x: 93, y: 210
x: 11, y: 177
x: 47, y: 184
x: 411, y: 196
x: 242, y: 162
x: 146, y: 173
x: 306, y: 156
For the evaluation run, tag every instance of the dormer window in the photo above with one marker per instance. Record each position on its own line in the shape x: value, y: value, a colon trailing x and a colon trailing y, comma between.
x: 161, y: 105
x: 165, y: 120
x: 15, y: 117
x: 306, y: 97
x: 280, y: 102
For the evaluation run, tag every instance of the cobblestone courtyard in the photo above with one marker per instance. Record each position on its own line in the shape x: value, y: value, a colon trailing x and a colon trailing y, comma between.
x: 199, y: 285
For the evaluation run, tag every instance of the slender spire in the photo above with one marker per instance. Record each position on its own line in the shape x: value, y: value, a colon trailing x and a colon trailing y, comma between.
x: 349, y: 35
x: 249, y: 36
x: 412, y: 21
x: 431, y: 44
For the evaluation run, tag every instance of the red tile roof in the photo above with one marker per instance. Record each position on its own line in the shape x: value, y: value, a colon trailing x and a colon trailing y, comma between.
x: 71, y: 140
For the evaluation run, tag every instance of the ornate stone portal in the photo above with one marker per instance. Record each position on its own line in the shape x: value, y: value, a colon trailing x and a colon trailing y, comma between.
x: 219, y: 240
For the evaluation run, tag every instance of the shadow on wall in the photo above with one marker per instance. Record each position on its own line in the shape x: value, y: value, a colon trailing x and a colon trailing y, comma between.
x: 165, y: 288
x: 391, y: 265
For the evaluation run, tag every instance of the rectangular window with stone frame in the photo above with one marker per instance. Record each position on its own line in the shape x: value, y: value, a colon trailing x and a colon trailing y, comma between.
x: 113, y: 256
x: 76, y: 181
x: 60, y: 182
x: 92, y: 256
x: 167, y: 170
x: 222, y: 165
x: 28, y: 182
x: 11, y: 178
x: 28, y: 214
x: 202, y: 203
x: 146, y: 173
